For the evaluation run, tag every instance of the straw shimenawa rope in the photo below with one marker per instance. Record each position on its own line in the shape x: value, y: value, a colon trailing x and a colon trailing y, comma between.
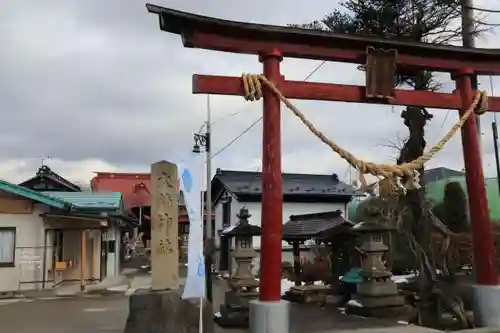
x: 252, y: 84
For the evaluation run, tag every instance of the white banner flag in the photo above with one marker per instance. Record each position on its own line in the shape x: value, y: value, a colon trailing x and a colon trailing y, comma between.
x: 190, y: 181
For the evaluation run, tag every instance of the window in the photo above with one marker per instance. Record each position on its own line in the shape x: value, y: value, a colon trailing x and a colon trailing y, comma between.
x: 7, y: 246
x: 226, y: 214
x: 245, y: 242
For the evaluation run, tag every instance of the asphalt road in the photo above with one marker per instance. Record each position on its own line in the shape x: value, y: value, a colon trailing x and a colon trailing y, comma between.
x: 64, y: 315
x: 108, y: 314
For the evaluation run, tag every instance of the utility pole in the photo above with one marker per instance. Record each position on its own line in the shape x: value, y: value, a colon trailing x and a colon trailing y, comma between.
x: 205, y: 140
x: 495, y: 145
x: 468, y: 41
x: 210, y: 228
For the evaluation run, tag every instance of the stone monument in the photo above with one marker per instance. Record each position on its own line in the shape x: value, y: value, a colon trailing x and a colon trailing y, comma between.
x: 161, y: 308
x: 242, y: 284
x: 377, y: 295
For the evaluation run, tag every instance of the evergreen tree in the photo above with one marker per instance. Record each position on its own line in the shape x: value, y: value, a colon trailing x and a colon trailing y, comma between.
x: 438, y: 210
x: 431, y: 21
x: 455, y: 213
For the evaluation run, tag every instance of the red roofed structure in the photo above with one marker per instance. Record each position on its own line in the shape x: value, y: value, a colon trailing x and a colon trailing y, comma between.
x: 135, y: 188
x: 136, y: 193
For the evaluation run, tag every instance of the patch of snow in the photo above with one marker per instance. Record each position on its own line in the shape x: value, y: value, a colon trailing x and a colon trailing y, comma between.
x: 354, y: 303
x: 122, y: 288
x: 310, y: 242
x: 395, y: 278
x: 95, y: 310
x: 402, y: 278
x: 229, y: 229
x: 402, y: 322
x: 130, y: 291
x: 287, y: 284
x: 11, y: 301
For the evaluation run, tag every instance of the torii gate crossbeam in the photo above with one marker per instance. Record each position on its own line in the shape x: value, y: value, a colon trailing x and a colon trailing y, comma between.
x: 271, y: 44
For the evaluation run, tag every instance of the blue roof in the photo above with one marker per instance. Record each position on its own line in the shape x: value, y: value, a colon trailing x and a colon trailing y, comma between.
x: 89, y: 200
x: 33, y: 195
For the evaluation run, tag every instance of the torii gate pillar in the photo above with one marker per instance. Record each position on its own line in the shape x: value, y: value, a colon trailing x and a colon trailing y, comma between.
x: 270, y: 313
x: 487, y: 290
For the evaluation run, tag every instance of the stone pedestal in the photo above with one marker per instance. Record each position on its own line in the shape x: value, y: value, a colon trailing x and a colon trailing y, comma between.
x: 308, y: 294
x: 377, y: 295
x: 378, y: 299
x: 269, y: 317
x: 165, y: 311
x: 487, y: 306
x: 234, y: 313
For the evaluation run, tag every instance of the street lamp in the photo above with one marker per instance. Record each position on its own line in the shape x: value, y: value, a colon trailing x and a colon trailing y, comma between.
x: 203, y: 140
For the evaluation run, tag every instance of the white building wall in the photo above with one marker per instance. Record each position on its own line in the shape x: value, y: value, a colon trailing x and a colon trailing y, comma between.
x: 289, y: 208
x: 27, y: 272
x: 218, y: 223
x: 113, y: 262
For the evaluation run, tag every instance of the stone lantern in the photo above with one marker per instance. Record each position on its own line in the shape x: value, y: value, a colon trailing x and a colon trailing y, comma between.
x: 377, y: 295
x: 242, y: 284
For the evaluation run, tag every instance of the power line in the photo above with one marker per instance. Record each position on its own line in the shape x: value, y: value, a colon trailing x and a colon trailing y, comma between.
x: 227, y: 117
x: 258, y: 120
x: 494, y: 11
x: 237, y: 138
x: 474, y: 20
x: 444, y: 120
x: 243, y: 109
x: 314, y: 70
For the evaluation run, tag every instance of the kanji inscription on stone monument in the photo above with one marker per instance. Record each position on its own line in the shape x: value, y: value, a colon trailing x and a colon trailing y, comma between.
x: 164, y: 217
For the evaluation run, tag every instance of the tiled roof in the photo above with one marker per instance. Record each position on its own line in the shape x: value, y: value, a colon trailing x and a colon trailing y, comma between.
x: 135, y: 187
x: 248, y: 183
x: 45, y: 172
x: 33, y: 195
x: 239, y: 229
x: 311, y: 225
x: 89, y: 200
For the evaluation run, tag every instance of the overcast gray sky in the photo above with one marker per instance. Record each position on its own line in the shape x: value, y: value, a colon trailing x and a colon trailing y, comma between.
x: 97, y: 86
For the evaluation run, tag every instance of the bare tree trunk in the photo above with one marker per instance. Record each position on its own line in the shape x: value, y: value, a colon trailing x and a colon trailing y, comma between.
x: 415, y: 119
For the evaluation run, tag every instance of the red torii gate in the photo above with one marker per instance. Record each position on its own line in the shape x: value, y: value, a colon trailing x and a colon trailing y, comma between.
x: 272, y: 43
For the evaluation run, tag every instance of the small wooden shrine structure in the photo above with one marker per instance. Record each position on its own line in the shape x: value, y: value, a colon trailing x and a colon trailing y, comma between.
x: 329, y: 228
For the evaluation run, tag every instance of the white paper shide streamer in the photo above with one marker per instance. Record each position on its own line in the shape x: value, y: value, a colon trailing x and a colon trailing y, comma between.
x: 190, y: 181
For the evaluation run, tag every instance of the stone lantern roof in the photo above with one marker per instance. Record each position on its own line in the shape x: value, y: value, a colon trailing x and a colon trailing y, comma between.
x: 243, y: 227
x: 372, y: 227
